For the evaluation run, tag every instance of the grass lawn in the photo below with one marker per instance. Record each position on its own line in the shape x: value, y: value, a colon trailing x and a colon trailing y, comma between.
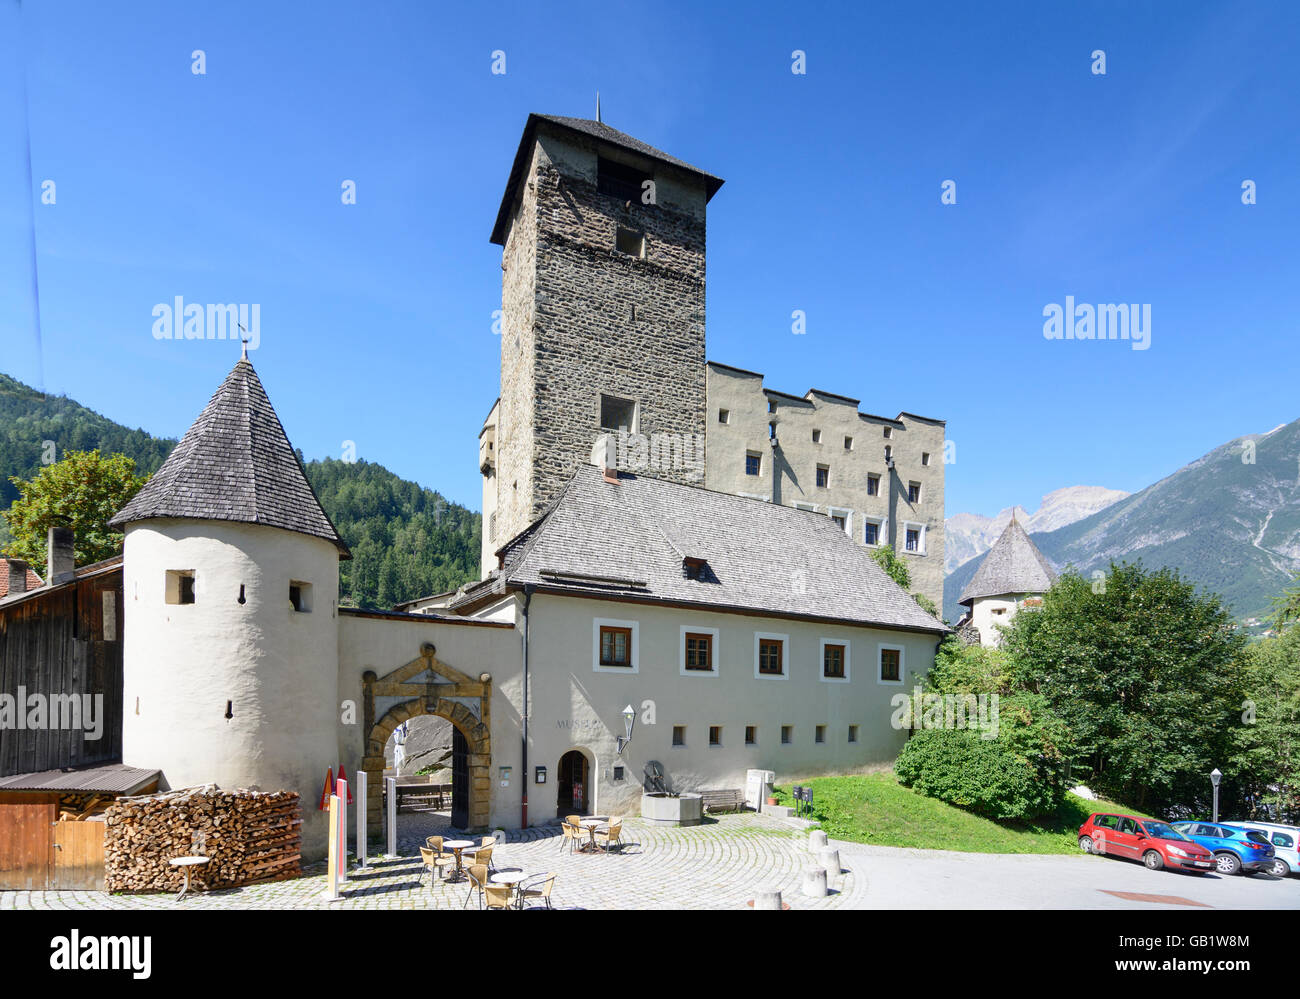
x: 875, y: 808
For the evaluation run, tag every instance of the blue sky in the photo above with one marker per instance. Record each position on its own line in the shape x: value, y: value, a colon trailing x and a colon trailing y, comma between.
x: 376, y: 317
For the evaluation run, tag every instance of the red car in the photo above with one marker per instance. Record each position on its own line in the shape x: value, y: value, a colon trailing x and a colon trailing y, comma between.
x: 1157, y: 844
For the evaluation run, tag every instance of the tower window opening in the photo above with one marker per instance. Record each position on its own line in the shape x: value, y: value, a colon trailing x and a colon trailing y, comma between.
x: 617, y: 414
x: 632, y: 243
x: 180, y: 586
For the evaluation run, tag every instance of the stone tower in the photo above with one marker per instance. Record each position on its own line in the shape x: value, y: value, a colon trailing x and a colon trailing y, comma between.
x: 602, y: 314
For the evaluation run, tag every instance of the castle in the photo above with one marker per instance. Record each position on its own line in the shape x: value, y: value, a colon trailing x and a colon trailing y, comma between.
x: 629, y: 621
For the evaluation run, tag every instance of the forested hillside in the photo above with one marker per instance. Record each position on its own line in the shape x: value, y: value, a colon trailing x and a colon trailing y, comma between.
x: 407, y: 541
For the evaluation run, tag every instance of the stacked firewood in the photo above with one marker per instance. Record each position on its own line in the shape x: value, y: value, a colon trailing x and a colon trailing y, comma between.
x: 248, y: 836
x: 80, y: 807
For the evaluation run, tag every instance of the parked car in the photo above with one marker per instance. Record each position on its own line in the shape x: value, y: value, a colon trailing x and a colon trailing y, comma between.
x: 1285, y: 841
x: 1157, y: 844
x: 1236, y: 850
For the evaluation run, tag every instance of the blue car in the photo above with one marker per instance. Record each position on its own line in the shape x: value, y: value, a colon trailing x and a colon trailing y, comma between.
x: 1236, y: 850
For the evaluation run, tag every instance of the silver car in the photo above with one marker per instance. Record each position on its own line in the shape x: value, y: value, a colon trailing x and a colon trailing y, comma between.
x: 1286, y: 845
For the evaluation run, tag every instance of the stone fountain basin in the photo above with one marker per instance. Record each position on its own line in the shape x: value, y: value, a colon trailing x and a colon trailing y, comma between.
x: 672, y: 810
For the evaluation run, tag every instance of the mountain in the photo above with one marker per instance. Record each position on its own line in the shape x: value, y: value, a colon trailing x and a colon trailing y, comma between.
x: 1229, y: 522
x: 407, y: 541
x: 967, y: 535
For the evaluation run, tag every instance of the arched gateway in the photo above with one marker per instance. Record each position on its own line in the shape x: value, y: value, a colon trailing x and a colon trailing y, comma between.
x: 428, y: 686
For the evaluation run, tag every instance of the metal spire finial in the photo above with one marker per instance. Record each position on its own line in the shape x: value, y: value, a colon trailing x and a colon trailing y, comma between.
x: 598, y: 105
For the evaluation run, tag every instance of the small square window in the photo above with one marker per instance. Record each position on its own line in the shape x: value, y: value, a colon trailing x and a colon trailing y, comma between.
x: 820, y: 734
x: 787, y: 734
x: 630, y: 241
x: 751, y: 735
x: 679, y: 735
x: 840, y: 521
x: 724, y: 416
x: 889, y: 432
x: 771, y: 405
x: 823, y: 476
x: 871, y: 533
x: 833, y: 661
x: 925, y: 457
x: 615, y: 646
x: 715, y: 735
x: 617, y: 414
x: 300, y: 596
x: 753, y: 463
x: 699, y: 651
x: 873, y: 485
x: 618, y: 773
x: 853, y: 733
x: 913, y: 539
x: 914, y: 492
x: 817, y: 436
x: 180, y: 586
x: 769, y: 656
x: 891, y: 665
x: 848, y: 443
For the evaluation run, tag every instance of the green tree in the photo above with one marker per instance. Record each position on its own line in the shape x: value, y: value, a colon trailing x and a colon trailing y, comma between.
x: 895, y: 568
x: 82, y: 491
x: 1286, y: 608
x: 1267, y: 762
x: 1148, y: 674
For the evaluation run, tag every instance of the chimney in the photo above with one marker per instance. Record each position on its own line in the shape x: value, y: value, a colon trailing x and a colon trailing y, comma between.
x: 17, y: 576
x: 62, y: 564
x: 604, y: 455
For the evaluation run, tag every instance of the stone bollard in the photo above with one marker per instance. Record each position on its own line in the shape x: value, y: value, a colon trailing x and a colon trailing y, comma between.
x: 816, y: 840
x: 500, y: 836
x: 829, y: 859
x: 768, y: 900
x: 814, y: 882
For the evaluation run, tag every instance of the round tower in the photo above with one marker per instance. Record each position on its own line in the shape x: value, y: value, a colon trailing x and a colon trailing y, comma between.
x: 230, y: 592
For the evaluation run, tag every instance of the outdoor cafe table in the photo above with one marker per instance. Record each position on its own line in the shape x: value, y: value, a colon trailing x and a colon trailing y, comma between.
x: 511, y: 877
x: 591, y: 824
x: 455, y: 846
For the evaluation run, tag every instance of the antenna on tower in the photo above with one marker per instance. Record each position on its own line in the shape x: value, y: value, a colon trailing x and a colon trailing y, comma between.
x: 243, y: 342
x: 598, y: 105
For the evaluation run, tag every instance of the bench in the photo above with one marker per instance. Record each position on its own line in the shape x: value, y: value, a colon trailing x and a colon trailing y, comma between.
x: 411, y: 796
x: 731, y: 800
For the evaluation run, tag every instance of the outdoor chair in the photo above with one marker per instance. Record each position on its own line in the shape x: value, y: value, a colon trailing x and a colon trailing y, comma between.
x: 573, y: 820
x: 483, y: 856
x: 478, y: 881
x: 433, y: 860
x: 498, y: 896
x: 609, y: 836
x: 572, y: 836
x: 488, y: 841
x: 539, y: 887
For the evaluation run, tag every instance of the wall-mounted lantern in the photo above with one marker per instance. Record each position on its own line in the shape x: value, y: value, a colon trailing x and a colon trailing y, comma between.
x: 629, y: 718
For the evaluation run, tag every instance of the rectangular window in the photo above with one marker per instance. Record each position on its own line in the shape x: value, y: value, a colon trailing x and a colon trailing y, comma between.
x: 771, y: 431
x: 913, y: 540
x: 180, y: 586
x: 617, y: 414
x: 616, y: 646
x: 724, y: 416
x: 853, y: 733
x: 817, y: 436
x: 715, y: 735
x: 871, y: 534
x: 823, y: 476
x: 630, y: 241
x: 889, y: 432
x: 787, y: 734
x: 771, y: 405
x: 820, y: 734
x: 848, y: 443
x: 751, y: 735
x: 925, y: 457
x: 914, y: 492
x: 699, y: 651
x: 619, y: 180
x: 891, y: 665
x: 679, y: 735
x: 840, y: 521
x: 753, y: 463
x: 833, y: 661
x: 769, y: 656
x: 300, y: 596
x: 873, y: 485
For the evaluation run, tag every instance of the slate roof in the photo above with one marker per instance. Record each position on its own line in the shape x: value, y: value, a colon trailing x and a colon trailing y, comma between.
x: 631, y: 538
x: 595, y: 130
x: 234, y: 464
x: 1013, y: 565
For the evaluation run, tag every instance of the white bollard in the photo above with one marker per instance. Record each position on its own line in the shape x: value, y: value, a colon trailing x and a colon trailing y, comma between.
x: 500, y: 836
x: 362, y: 848
x: 830, y: 859
x: 342, y: 789
x: 768, y: 900
x: 816, y: 840
x: 391, y: 783
x: 814, y: 882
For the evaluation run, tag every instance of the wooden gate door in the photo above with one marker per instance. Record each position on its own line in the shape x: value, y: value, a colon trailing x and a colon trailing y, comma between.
x: 459, y: 779
x: 79, y: 855
x: 26, y: 842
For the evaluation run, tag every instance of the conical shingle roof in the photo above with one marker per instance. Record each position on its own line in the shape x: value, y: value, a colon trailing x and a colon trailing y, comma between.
x: 1013, y: 565
x: 235, y: 463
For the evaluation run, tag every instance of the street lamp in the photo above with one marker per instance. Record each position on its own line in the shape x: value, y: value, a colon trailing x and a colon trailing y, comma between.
x: 629, y: 717
x: 1215, y: 777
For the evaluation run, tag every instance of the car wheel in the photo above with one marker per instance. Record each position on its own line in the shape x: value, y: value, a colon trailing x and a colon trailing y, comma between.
x: 1085, y: 844
x: 1280, y: 868
x: 1227, y: 863
x: 1153, y: 860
